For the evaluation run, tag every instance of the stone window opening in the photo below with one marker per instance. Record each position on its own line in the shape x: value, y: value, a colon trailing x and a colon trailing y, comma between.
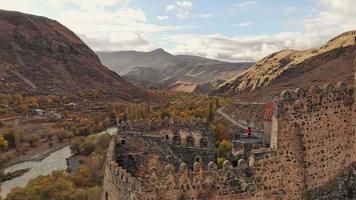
x: 190, y: 141
x: 234, y: 163
x: 198, y: 159
x: 106, y: 196
x: 203, y: 143
x: 123, y: 142
x: 176, y: 140
x: 167, y: 137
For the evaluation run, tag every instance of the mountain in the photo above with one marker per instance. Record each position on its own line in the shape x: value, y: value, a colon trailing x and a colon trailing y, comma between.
x: 160, y: 69
x: 332, y: 62
x: 123, y: 62
x: 41, y: 56
x: 185, y: 87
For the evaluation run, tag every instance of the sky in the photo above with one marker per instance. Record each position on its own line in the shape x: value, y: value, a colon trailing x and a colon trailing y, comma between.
x: 230, y: 30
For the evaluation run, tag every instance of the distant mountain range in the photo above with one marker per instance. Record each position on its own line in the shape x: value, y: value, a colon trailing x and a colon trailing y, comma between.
x: 160, y: 69
x: 288, y: 69
x: 41, y: 56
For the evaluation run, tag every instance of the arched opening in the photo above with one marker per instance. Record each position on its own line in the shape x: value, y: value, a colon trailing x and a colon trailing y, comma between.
x: 176, y: 140
x: 167, y: 137
x: 123, y: 142
x: 203, y: 143
x: 106, y: 196
x: 234, y: 163
x: 131, y: 164
x: 190, y: 141
x: 198, y: 159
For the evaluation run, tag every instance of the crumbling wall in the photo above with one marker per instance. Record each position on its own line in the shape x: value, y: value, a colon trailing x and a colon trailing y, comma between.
x: 194, y: 134
x: 118, y: 183
x: 199, y: 183
x: 314, y: 140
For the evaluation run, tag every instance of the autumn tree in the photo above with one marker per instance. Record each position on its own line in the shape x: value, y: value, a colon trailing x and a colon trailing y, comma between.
x: 3, y: 143
x: 17, y: 135
x: 210, y: 114
x: 217, y: 103
x: 33, y: 140
x: 224, y: 147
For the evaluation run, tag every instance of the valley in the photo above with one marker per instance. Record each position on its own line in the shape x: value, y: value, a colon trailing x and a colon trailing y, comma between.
x: 162, y: 70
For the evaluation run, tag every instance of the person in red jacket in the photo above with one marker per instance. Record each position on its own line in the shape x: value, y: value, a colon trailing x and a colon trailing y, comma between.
x: 249, y: 131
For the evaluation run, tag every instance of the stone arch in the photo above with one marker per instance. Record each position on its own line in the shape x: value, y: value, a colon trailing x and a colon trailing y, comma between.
x: 190, y: 141
x: 234, y: 163
x: 131, y: 163
x: 203, y: 143
x: 242, y: 164
x: 123, y: 142
x: 176, y: 140
x: 198, y: 159
x: 166, y: 138
x: 106, y: 196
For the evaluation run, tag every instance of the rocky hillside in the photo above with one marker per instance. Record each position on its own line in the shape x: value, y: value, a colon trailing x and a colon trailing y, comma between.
x: 41, y: 56
x: 160, y: 69
x: 189, y: 88
x: 332, y: 62
x: 123, y: 62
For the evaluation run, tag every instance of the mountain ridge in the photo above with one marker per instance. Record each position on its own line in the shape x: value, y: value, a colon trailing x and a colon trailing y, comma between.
x: 41, y: 56
x: 152, y: 68
x: 288, y: 68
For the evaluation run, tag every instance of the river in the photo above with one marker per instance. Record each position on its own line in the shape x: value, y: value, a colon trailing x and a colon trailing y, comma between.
x: 54, y: 162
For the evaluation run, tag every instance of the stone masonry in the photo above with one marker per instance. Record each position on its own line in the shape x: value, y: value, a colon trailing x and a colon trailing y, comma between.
x: 311, y: 156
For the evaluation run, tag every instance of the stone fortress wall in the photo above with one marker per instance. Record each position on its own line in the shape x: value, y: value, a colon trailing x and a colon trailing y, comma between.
x: 314, y: 141
x: 312, y: 144
x: 172, y: 183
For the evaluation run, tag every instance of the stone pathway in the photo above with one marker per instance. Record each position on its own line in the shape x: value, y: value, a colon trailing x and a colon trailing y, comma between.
x: 238, y: 122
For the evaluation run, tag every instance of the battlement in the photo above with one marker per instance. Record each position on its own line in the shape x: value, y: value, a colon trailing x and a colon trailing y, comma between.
x: 191, y: 134
x: 152, y: 125
x: 194, y: 182
x: 314, y: 128
x: 314, y: 99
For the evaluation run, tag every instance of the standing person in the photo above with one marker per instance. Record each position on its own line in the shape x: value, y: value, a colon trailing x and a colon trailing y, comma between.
x: 249, y: 131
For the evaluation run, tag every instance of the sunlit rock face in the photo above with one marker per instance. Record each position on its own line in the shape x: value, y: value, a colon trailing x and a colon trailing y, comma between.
x: 289, y: 69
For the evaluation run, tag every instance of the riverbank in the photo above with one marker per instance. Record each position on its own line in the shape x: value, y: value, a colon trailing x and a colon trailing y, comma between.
x: 56, y: 161
x: 36, y: 154
x: 11, y: 175
x: 43, y: 163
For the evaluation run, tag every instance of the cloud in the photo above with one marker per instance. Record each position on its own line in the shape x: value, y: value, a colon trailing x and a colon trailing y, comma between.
x: 205, y: 15
x: 103, y: 24
x: 114, y: 25
x: 243, y: 24
x: 185, y: 4
x: 289, y: 10
x: 170, y: 8
x: 85, y: 4
x: 165, y: 17
x: 182, y: 14
x: 247, y: 3
x: 221, y: 47
x: 180, y: 8
x: 137, y: 42
x: 335, y: 17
